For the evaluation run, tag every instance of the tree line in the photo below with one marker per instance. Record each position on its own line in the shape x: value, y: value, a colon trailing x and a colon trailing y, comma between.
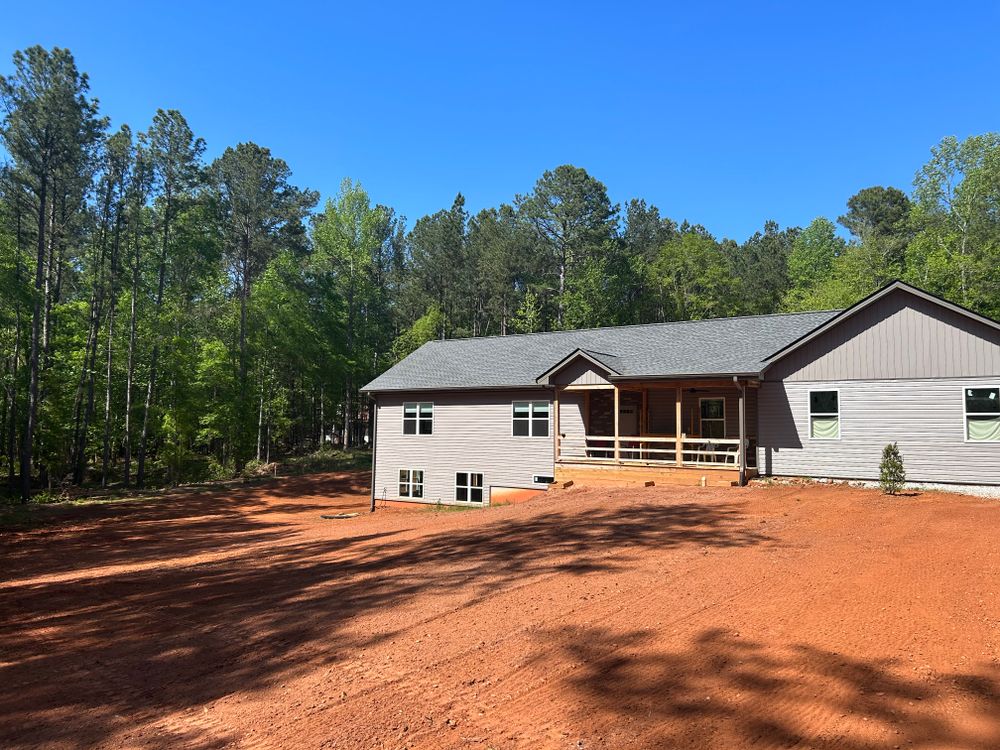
x: 165, y: 319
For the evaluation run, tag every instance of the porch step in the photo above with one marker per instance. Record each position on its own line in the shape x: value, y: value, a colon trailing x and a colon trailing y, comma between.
x: 607, y: 476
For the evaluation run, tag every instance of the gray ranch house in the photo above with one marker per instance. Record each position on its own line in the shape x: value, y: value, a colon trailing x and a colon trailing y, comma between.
x: 707, y: 402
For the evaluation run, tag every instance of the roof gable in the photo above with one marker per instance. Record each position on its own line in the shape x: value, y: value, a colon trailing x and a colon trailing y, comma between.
x: 599, y: 360
x: 870, y: 300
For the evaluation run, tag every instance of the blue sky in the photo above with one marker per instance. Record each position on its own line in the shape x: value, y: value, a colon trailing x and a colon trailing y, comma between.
x: 723, y: 114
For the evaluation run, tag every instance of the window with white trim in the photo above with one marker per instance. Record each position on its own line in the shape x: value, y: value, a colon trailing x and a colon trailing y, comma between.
x: 468, y: 487
x: 411, y: 483
x: 418, y: 418
x: 824, y: 415
x: 531, y: 419
x: 713, y: 417
x: 982, y: 414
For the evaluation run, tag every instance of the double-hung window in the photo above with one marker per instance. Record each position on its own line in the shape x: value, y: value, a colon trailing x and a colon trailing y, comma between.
x: 531, y: 419
x: 468, y: 487
x: 418, y: 418
x: 824, y: 415
x: 982, y: 414
x: 411, y: 483
x: 713, y: 417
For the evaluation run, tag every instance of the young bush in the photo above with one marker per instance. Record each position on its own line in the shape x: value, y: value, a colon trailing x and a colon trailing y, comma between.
x: 892, y: 476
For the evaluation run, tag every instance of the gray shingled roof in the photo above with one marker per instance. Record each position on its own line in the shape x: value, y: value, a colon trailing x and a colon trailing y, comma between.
x: 721, y: 346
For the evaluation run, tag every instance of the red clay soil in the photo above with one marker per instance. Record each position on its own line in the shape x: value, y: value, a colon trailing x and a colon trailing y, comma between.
x: 770, y: 617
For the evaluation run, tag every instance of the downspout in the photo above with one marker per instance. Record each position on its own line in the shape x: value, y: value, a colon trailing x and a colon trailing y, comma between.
x: 743, y: 431
x: 374, y: 405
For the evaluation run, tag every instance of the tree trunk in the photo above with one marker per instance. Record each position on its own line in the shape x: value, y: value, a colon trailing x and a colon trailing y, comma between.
x: 130, y: 371
x: 260, y: 420
x: 112, y: 307
x: 12, y: 432
x: 140, y: 473
x: 28, y: 437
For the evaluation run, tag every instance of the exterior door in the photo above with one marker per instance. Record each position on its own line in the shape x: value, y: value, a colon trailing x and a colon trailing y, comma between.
x: 628, y: 420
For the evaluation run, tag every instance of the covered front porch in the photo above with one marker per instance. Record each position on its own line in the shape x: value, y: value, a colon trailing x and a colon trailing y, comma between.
x: 686, y: 432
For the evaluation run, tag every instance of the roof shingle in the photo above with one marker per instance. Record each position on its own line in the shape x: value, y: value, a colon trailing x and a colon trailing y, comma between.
x: 720, y: 346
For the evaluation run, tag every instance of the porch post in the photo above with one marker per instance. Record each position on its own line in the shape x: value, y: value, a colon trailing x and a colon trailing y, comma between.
x: 743, y: 434
x: 679, y: 444
x: 644, y: 421
x: 617, y: 406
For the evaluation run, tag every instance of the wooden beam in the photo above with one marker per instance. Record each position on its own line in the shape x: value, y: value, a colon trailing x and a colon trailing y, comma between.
x: 679, y: 443
x: 591, y: 387
x: 617, y: 439
x: 643, y: 419
x: 743, y: 436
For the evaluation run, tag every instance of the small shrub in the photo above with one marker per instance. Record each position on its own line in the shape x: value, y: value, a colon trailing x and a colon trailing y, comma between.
x: 892, y: 476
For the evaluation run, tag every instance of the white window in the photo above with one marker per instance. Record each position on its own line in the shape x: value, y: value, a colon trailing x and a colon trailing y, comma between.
x: 411, y: 483
x: 982, y: 414
x: 468, y: 487
x: 531, y: 419
x: 824, y: 415
x: 418, y: 418
x: 713, y: 417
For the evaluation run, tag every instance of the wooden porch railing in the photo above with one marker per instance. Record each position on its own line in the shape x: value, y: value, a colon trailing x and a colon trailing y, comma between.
x: 643, y: 450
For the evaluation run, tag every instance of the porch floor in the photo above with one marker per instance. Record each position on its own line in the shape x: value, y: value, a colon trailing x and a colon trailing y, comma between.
x: 614, y: 475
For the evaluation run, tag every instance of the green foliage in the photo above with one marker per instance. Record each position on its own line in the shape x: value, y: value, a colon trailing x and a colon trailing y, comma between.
x: 811, y: 262
x: 691, y: 278
x: 528, y: 318
x: 956, y: 251
x: 892, y: 476
x: 425, y: 328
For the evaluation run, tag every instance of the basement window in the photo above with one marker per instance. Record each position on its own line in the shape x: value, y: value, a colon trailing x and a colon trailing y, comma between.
x: 982, y: 414
x: 468, y: 487
x: 824, y: 415
x: 411, y: 483
x: 418, y: 418
x: 531, y: 419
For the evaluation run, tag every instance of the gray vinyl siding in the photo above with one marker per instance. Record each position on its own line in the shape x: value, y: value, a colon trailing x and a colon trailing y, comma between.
x: 900, y: 366
x: 899, y: 336
x: 472, y: 432
x: 571, y: 421
x: 924, y: 416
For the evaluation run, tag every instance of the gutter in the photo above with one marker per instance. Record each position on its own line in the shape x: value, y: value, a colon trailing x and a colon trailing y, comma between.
x: 693, y: 376
x: 463, y: 388
x: 374, y: 446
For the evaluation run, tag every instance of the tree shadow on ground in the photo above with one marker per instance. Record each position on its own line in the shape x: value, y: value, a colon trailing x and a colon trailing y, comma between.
x: 724, y: 690
x: 85, y: 659
x: 171, y: 526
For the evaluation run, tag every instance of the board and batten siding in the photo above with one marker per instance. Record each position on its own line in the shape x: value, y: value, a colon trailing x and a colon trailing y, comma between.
x: 899, y: 336
x: 580, y: 372
x: 472, y: 432
x: 900, y: 366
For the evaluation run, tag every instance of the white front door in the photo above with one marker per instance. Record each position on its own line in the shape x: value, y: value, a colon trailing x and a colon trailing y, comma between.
x: 628, y: 420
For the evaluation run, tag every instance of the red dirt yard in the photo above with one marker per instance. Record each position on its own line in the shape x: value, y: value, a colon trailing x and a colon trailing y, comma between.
x: 767, y: 617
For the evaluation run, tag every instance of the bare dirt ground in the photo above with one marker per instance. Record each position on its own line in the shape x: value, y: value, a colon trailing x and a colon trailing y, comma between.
x: 768, y: 617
